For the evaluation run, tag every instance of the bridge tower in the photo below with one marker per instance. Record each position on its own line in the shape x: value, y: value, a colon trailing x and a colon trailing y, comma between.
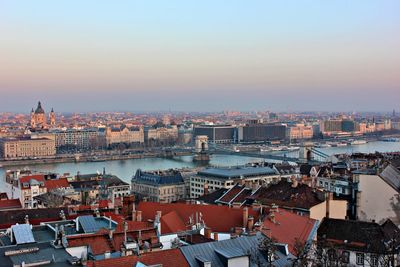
x: 305, y: 153
x: 201, y: 148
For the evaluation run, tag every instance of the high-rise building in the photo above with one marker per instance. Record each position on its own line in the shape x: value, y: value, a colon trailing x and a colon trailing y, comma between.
x: 217, y: 133
x: 332, y: 125
x: 260, y: 132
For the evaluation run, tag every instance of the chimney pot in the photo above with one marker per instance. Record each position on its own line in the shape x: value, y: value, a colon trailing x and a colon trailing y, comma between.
x: 133, y: 216
x: 215, y: 236
x: 139, y: 215
x: 207, y: 232
x: 250, y: 223
x: 245, y: 216
x: 158, y: 216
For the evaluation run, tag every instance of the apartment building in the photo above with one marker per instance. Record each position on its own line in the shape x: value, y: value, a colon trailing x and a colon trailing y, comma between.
x: 212, y: 179
x: 300, y: 131
x: 76, y: 138
x: 26, y: 147
x: 159, y: 186
x: 124, y: 135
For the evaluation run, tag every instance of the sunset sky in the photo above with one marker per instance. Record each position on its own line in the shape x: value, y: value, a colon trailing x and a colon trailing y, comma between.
x: 200, y: 55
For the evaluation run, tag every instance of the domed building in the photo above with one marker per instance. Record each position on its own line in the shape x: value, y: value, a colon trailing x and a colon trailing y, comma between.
x: 39, y: 119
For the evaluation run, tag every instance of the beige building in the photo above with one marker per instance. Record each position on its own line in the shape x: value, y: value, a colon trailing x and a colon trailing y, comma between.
x: 162, y: 135
x: 159, y: 186
x: 378, y: 196
x: 27, y: 147
x: 300, y: 131
x: 124, y: 135
x: 335, y: 209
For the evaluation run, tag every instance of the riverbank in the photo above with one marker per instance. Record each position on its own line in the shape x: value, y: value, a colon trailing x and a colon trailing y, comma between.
x: 71, y: 158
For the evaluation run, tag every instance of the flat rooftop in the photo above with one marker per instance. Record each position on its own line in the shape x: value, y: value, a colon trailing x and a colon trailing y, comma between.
x: 236, y: 172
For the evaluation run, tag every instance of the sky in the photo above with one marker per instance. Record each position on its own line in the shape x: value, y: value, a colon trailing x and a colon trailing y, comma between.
x: 208, y: 55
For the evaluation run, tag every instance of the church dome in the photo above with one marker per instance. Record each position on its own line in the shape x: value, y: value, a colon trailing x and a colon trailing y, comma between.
x: 39, y: 109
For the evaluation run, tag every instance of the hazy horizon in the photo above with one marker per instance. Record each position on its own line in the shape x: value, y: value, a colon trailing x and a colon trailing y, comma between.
x: 81, y: 56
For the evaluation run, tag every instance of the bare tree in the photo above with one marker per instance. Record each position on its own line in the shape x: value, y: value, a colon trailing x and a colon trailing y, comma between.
x: 265, y: 251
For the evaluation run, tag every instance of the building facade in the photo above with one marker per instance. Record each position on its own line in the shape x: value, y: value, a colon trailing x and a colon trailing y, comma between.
x: 212, y: 179
x: 159, y: 186
x: 300, y: 131
x: 261, y: 132
x: 76, y: 138
x: 154, y: 136
x: 218, y: 134
x: 358, y: 243
x: 27, y: 147
x: 124, y: 135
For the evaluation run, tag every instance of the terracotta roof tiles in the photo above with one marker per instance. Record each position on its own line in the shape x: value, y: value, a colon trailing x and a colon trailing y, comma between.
x: 218, y: 218
x: 288, y: 227
x: 56, y: 183
x: 168, y: 258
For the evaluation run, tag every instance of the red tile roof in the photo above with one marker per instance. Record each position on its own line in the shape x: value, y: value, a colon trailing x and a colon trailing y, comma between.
x: 56, y: 183
x: 10, y: 204
x: 116, y: 217
x: 228, y: 196
x: 284, y: 195
x: 288, y: 227
x: 103, y: 203
x: 172, y: 223
x: 37, y: 177
x: 99, y: 243
x: 218, y: 218
x: 243, y: 195
x: 119, y: 238
x: 168, y: 258
x: 134, y: 226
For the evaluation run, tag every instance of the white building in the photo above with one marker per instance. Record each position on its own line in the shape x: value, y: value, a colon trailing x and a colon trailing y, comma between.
x: 216, y: 178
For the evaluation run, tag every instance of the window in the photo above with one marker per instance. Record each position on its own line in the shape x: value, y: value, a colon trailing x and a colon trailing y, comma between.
x: 374, y: 260
x: 346, y: 257
x: 332, y: 254
x: 360, y: 259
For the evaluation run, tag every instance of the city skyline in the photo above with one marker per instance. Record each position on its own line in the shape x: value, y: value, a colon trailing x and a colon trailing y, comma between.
x: 209, y: 56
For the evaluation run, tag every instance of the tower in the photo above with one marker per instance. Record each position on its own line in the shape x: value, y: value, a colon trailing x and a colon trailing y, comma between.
x: 52, y: 118
x: 33, y: 123
x: 38, y: 118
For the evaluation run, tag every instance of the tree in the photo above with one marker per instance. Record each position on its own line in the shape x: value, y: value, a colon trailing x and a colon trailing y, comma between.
x: 302, y: 253
x: 264, y: 252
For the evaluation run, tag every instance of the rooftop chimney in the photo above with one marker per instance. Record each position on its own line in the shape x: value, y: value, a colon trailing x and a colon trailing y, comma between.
x: 215, y: 234
x: 245, y: 216
x: 250, y: 223
x: 205, y: 189
x: 207, y: 232
x: 139, y: 215
x: 294, y: 181
x: 133, y: 216
x: 329, y: 198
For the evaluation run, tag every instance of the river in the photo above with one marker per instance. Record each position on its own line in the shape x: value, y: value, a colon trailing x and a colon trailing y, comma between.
x: 126, y: 168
